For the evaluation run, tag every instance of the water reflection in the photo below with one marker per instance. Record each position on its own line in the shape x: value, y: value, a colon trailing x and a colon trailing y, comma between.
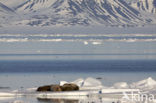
x: 89, y: 100
x: 57, y: 101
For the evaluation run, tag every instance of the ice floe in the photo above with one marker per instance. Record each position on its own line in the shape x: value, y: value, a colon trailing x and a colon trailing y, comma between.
x: 96, y: 43
x: 5, y: 94
x: 145, y: 85
x: 88, y: 83
x: 18, y: 101
x: 85, y: 43
x: 148, y: 84
x: 92, y: 86
x: 79, y: 82
x: 121, y: 85
x: 95, y: 39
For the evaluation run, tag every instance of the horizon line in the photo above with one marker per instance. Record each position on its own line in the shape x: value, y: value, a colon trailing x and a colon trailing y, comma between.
x: 81, y: 54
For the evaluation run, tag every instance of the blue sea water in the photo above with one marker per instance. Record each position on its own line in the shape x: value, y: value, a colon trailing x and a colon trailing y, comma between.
x: 56, y: 70
x: 80, y: 66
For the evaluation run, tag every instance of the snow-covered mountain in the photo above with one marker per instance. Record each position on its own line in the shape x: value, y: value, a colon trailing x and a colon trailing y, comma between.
x: 12, y: 3
x: 78, y: 12
x: 6, y: 14
x: 145, y: 5
x: 84, y: 12
x: 32, y: 5
x: 4, y: 10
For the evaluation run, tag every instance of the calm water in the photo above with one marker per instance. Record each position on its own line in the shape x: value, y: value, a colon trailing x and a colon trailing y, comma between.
x: 80, y: 66
x: 23, y: 74
x: 56, y: 70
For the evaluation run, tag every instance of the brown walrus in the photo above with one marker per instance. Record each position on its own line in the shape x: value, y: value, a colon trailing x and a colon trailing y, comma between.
x: 53, y: 88
x: 70, y: 87
x: 58, y: 88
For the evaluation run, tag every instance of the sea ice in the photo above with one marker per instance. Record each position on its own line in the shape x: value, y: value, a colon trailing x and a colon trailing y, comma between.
x: 145, y: 85
x: 88, y: 84
x: 79, y: 82
x: 121, y: 85
x: 63, y: 82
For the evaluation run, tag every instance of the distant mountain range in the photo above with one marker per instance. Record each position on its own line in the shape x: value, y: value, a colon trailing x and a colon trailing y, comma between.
x: 78, y: 12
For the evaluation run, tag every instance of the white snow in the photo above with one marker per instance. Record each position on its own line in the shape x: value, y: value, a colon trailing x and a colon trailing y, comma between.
x: 85, y: 43
x: 33, y: 5
x: 5, y: 98
x: 79, y: 82
x: 18, y: 101
x: 88, y: 84
x: 147, y: 84
x: 31, y: 89
x: 91, y: 86
x: 13, y: 40
x: 40, y: 13
x: 5, y: 94
x: 96, y: 43
x: 121, y: 85
x: 73, y: 40
x: 63, y: 82
x: 12, y: 3
x: 91, y: 82
x: 120, y: 91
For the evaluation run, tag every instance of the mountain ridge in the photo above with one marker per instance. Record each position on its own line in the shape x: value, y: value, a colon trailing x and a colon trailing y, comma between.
x: 79, y: 12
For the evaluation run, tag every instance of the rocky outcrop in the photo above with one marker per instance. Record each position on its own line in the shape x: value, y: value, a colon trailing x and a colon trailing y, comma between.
x: 58, y: 88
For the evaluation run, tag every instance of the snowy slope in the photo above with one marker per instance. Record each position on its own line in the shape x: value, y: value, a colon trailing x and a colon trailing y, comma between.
x: 12, y: 3
x: 78, y: 12
x: 6, y: 14
x: 4, y: 10
x: 145, y: 5
x: 32, y: 5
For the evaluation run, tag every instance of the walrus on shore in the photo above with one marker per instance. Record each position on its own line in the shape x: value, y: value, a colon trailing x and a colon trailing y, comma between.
x: 70, y: 87
x: 53, y: 88
x: 58, y: 88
